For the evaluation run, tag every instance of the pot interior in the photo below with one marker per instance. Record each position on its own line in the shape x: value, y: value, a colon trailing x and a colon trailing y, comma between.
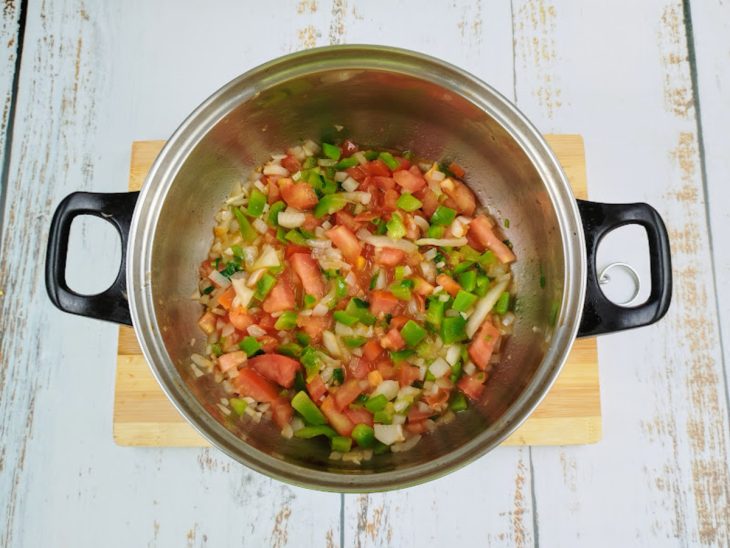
x: 380, y: 106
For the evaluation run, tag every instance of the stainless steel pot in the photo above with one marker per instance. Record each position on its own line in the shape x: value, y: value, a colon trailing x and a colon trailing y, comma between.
x: 382, y: 97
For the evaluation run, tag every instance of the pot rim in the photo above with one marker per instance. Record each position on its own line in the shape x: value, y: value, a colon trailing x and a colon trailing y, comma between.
x: 220, y: 103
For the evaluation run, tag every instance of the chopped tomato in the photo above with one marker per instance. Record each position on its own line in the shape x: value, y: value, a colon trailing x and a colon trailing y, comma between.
x: 481, y: 228
x: 439, y: 400
x: 345, y: 219
x: 316, y: 388
x: 347, y: 393
x: 268, y: 343
x: 291, y: 164
x: 225, y: 299
x: 429, y: 200
x: 382, y: 302
x: 274, y: 193
x: 240, y: 319
x: 421, y: 286
x: 339, y: 421
x: 275, y: 367
x: 413, y: 232
x: 358, y: 367
x: 392, y: 340
x: 358, y: 173
x: 472, y: 385
x: 415, y: 414
x: 231, y: 360
x: 348, y: 148
x: 386, y: 368
x: 457, y: 170
x: 311, y: 222
x: 448, y: 283
x: 408, y: 374
x: 410, y: 181
x: 299, y: 195
x: 398, y: 321
x: 308, y: 271
x: 390, y: 199
x: 416, y: 427
x: 366, y: 216
x: 282, y: 411
x: 482, y: 346
x: 291, y: 249
x: 206, y: 267
x: 389, y: 256
x: 358, y: 415
x: 403, y: 163
x: 372, y: 350
x: 314, y: 325
x: 281, y: 297
x: 463, y: 197
x: 384, y: 183
x: 377, y: 168
x: 207, y: 323
x: 250, y: 383
x: 346, y: 242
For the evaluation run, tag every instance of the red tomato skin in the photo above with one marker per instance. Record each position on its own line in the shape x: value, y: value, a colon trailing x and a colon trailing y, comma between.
x: 359, y: 367
x: 393, y: 340
x: 347, y: 393
x: 316, y: 388
x: 250, y: 383
x: 308, y: 271
x: 299, y: 195
x: 389, y: 256
x: 346, y: 242
x: 382, y: 302
x: 291, y: 164
x: 358, y: 415
x: 377, y: 168
x: 372, y: 350
x: 275, y: 367
x: 337, y: 420
x: 472, y: 385
x: 482, y: 346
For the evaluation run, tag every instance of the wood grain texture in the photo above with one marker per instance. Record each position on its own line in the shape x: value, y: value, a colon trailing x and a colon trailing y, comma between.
x: 665, y: 411
x: 569, y: 414
x: 616, y: 72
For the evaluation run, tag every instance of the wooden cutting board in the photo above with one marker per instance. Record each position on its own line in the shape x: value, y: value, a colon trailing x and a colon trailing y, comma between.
x: 570, y: 414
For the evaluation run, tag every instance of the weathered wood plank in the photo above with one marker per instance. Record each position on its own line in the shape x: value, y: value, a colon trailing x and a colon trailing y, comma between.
x: 618, y: 73
x: 95, y: 75
x: 10, y: 26
x: 711, y: 39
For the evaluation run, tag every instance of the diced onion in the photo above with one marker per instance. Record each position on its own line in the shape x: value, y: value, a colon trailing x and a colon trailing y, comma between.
x: 341, y: 176
x: 219, y: 279
x: 359, y: 197
x: 421, y: 222
x: 275, y: 169
x: 310, y: 147
x: 350, y: 184
x: 360, y: 157
x: 485, y: 305
x: 320, y: 309
x: 469, y: 368
x: 388, y: 388
x: 319, y: 244
x: 255, y: 276
x: 398, y: 419
x: 410, y: 443
x: 452, y: 354
x: 255, y: 331
x: 439, y: 368
x: 384, y: 241
x: 291, y: 218
x: 430, y: 255
x: 443, y: 242
x: 389, y: 433
x: 260, y: 226
x: 330, y: 343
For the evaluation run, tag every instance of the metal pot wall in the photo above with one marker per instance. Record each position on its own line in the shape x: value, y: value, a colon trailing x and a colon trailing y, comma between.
x: 388, y: 98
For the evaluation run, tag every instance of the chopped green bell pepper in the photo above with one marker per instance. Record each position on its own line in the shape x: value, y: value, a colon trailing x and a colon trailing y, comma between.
x: 310, y: 361
x: 383, y: 416
x: 402, y: 290
x: 341, y: 444
x: 291, y: 349
x: 288, y: 320
x: 456, y: 370
x: 346, y: 163
x: 247, y: 231
x: 370, y: 155
x: 363, y: 435
x: 463, y: 301
x: 395, y: 227
x: 332, y: 152
x: 435, y: 231
x: 338, y: 375
x: 412, y: 333
x: 408, y: 202
x: 296, y: 237
x: 435, y: 312
x: 250, y: 346
x: 274, y: 210
x: 353, y: 341
x: 344, y: 318
x: 264, y: 285
x: 309, y: 432
x: 467, y: 280
x: 400, y: 355
x: 502, y: 304
x: 308, y: 409
x: 453, y: 330
x: 458, y: 402
x: 443, y: 216
x: 256, y: 203
x: 376, y: 403
x: 309, y: 301
x: 388, y: 160
x: 303, y: 338
x: 238, y: 405
x: 329, y: 204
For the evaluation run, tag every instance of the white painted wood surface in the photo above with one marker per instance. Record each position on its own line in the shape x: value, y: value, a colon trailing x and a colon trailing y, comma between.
x: 96, y: 75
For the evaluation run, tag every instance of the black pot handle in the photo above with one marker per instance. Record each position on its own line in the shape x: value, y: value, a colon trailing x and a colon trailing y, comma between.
x: 601, y: 315
x: 117, y: 209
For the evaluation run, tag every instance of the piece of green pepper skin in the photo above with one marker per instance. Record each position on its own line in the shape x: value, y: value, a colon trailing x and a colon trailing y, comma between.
x: 308, y: 409
x: 364, y: 435
x: 312, y: 431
